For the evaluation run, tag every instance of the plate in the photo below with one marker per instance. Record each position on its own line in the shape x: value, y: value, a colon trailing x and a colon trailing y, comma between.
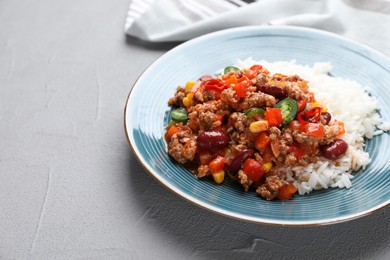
x: 147, y: 113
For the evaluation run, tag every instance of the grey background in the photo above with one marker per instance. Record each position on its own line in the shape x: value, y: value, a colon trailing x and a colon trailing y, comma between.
x: 70, y: 187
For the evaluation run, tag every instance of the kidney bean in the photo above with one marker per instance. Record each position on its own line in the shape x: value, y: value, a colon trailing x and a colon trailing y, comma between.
x: 238, y: 160
x: 327, y: 116
x: 334, y: 150
x: 272, y: 90
x: 212, y: 140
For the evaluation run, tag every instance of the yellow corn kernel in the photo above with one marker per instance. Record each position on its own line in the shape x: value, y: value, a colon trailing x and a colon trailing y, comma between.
x: 318, y: 104
x: 276, y: 83
x: 267, y: 166
x: 189, y: 85
x: 219, y: 176
x: 258, y: 126
x: 188, y: 99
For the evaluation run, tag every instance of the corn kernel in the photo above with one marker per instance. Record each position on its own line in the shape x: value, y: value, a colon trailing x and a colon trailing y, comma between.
x: 219, y: 176
x: 318, y: 104
x: 267, y: 166
x: 276, y: 83
x: 188, y: 100
x: 189, y: 85
x: 258, y: 126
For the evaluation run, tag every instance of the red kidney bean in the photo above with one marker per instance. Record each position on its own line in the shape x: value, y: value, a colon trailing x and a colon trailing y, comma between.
x: 212, y: 140
x: 334, y: 150
x: 327, y: 116
x: 272, y: 90
x: 239, y: 159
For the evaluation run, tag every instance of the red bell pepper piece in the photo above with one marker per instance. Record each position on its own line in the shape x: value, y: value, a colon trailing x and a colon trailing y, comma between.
x: 274, y: 116
x: 262, y: 141
x: 253, y: 169
x: 313, y: 129
x: 217, y: 164
x: 311, y: 116
x: 286, y: 192
x: 240, y: 89
x: 302, y: 104
x: 256, y: 67
x: 214, y: 84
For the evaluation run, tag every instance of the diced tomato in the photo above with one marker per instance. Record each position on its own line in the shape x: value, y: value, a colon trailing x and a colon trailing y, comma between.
x: 171, y: 131
x: 274, y: 116
x: 313, y: 129
x: 286, y: 192
x: 217, y: 164
x: 302, y: 104
x: 262, y: 141
x: 253, y: 169
x: 240, y: 89
x: 297, y: 151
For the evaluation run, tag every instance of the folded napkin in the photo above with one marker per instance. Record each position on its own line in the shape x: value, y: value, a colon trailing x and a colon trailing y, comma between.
x: 367, y: 21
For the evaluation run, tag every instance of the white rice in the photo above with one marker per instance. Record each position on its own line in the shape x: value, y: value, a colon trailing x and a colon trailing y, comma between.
x: 363, y: 122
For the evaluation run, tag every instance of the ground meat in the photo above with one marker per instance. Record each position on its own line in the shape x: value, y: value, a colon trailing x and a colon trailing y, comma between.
x: 241, y: 137
x: 182, y: 146
x: 331, y: 132
x: 301, y: 137
x: 274, y: 133
x: 269, y: 190
x: 244, y: 180
x: 257, y: 99
x: 294, y: 91
x: 262, y: 79
x: 203, y: 116
x: 199, y: 96
x: 240, y: 141
x: 229, y: 96
x: 176, y: 100
x: 290, y: 160
x: 252, y: 99
x: 203, y: 170
x: 239, y: 121
x: 209, y: 96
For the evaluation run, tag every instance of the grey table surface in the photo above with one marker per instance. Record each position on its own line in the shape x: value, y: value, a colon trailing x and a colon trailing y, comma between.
x: 70, y: 187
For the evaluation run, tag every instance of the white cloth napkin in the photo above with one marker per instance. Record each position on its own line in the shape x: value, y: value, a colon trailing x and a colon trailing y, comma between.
x: 367, y: 21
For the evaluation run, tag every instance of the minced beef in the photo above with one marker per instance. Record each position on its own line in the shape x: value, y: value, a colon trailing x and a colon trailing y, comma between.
x: 269, y: 190
x: 182, y: 146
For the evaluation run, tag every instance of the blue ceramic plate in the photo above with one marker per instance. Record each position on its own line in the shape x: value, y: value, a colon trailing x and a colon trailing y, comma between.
x: 147, y: 113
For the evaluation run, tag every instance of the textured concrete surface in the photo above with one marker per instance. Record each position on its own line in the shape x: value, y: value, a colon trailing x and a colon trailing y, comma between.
x: 70, y: 187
